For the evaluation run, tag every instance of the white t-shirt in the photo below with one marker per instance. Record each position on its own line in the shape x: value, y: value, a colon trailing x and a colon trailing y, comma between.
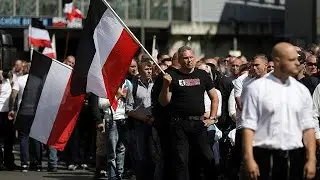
x: 207, y: 102
x: 238, y: 84
x: 19, y: 85
x: 5, y: 91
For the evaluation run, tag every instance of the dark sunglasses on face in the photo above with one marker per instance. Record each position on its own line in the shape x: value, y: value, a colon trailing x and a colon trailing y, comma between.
x: 311, y: 64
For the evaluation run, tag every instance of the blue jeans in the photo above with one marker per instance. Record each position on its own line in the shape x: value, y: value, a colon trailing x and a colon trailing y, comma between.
x: 35, y: 150
x: 52, y: 157
x: 115, y: 148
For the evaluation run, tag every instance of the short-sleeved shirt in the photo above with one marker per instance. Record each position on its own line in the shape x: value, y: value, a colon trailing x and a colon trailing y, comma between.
x: 19, y: 85
x: 5, y: 91
x: 187, y: 92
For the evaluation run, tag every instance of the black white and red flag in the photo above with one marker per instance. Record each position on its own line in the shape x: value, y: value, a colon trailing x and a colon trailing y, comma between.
x: 38, y: 35
x: 71, y: 11
x: 104, y: 54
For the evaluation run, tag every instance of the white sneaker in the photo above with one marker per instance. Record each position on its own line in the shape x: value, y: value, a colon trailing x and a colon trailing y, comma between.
x: 84, y: 166
x: 103, y: 173
x: 24, y: 168
x: 72, y: 167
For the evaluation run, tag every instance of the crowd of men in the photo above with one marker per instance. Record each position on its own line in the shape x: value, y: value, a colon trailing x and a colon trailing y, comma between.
x: 209, y: 118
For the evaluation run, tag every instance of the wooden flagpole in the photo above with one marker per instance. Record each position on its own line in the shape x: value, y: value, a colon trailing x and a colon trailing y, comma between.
x: 67, y: 44
x: 31, y: 46
x: 132, y: 35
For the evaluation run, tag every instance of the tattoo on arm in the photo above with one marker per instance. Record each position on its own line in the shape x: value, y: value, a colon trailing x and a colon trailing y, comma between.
x: 12, y: 99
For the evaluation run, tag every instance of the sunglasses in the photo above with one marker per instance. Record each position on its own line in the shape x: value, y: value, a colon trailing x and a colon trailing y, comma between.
x: 311, y: 64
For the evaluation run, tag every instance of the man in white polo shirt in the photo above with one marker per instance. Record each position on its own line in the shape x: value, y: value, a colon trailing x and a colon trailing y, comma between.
x: 278, y: 127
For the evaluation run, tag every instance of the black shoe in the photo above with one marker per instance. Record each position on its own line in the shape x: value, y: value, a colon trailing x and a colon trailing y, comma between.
x: 11, y: 167
x: 52, y: 169
x: 2, y: 167
x: 37, y: 168
x: 127, y: 174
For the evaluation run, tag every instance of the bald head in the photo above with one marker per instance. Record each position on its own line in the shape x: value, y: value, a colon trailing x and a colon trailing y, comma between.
x: 281, y: 50
x: 70, y: 61
x: 285, y: 58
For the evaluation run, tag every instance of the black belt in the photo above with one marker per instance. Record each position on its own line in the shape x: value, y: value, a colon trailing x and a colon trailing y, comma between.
x: 279, y: 151
x: 191, y: 118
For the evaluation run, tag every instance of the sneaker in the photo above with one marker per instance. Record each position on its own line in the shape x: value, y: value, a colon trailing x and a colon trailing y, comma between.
x: 24, y: 168
x: 37, y: 168
x: 11, y: 167
x: 2, y: 167
x: 102, y: 174
x: 84, y: 166
x: 72, y: 167
x: 52, y: 169
x: 127, y: 174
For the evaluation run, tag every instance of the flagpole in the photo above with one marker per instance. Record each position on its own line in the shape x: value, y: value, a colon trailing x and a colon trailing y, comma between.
x: 67, y: 44
x: 31, y: 45
x: 31, y: 52
x: 132, y: 35
x: 153, y: 45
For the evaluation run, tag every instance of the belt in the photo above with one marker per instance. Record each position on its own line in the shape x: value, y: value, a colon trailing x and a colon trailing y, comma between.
x: 191, y: 118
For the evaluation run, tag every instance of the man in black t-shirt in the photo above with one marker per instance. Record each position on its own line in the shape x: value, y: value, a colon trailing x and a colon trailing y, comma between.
x: 184, y: 89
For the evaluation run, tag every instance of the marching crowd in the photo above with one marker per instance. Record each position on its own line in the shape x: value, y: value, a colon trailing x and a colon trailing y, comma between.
x: 209, y: 118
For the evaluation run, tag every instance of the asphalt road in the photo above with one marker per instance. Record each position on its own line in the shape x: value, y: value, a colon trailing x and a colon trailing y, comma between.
x: 60, y: 175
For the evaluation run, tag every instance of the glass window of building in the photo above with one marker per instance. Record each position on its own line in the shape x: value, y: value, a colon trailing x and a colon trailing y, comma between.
x: 159, y: 9
x: 119, y: 7
x: 135, y: 9
x: 48, y: 8
x: 6, y: 7
x: 26, y: 8
x: 181, y: 10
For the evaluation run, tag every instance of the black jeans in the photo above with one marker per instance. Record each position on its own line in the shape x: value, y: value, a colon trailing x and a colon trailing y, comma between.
x: 162, y: 125
x: 7, y: 132
x: 143, y: 165
x: 236, y: 157
x: 189, y: 140
x: 71, y: 152
x: 278, y: 164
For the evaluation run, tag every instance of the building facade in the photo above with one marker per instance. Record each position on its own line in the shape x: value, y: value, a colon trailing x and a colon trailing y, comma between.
x: 211, y: 27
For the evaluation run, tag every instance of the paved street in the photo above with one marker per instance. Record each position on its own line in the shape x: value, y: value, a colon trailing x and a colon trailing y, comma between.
x: 60, y: 175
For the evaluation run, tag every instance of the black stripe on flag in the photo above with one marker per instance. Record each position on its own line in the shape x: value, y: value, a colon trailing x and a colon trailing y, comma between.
x: 37, y: 76
x: 67, y: 1
x: 37, y: 23
x: 86, y: 48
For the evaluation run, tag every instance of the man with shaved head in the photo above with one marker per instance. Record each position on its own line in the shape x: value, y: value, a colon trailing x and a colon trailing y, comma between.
x: 278, y: 127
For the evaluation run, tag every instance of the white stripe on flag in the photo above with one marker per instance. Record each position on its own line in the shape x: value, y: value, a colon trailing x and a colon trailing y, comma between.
x: 50, y: 101
x: 105, y: 37
x: 68, y: 8
x: 37, y: 33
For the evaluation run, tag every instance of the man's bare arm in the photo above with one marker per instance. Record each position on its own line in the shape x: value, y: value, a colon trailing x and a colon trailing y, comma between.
x: 310, y: 143
x: 247, y: 144
x: 214, y: 102
x: 12, y: 99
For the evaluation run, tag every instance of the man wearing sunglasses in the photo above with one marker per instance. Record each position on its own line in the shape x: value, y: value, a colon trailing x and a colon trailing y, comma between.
x: 311, y: 79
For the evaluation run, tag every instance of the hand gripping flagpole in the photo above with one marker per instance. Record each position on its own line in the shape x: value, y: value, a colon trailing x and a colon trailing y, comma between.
x: 132, y: 35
